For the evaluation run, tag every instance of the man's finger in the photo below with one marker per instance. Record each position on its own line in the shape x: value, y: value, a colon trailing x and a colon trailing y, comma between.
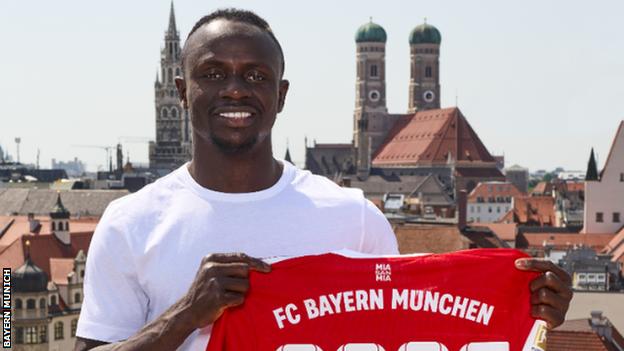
x: 254, y: 263
x: 548, y: 297
x: 539, y: 265
x: 550, y: 315
x: 237, y: 285
x: 551, y: 281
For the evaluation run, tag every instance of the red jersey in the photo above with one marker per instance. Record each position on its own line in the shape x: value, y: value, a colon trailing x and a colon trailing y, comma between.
x: 473, y: 300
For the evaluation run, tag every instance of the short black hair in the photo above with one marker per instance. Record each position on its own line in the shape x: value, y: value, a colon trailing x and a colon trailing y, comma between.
x: 237, y: 15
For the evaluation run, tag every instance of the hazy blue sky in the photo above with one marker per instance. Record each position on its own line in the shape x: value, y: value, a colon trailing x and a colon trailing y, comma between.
x: 540, y: 81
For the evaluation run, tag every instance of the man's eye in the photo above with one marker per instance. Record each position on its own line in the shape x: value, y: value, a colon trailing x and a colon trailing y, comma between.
x: 213, y: 74
x: 255, y: 76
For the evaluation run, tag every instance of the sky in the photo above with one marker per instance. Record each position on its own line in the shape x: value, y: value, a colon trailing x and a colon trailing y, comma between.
x: 540, y: 81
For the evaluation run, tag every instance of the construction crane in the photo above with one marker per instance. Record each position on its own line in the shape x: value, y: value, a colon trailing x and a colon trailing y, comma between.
x: 109, y: 156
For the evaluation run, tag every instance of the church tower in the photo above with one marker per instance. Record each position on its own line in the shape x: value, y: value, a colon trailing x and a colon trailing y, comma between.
x: 173, y: 129
x: 370, y: 94
x: 59, y: 221
x: 424, y: 86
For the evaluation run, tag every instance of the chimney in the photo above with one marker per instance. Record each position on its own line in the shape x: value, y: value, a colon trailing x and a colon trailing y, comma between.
x: 34, y: 225
x: 462, y: 203
x: 601, y: 325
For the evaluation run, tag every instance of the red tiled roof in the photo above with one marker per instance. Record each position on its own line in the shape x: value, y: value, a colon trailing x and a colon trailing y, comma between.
x: 616, y: 246
x: 577, y: 334
x: 428, y: 137
x: 21, y: 226
x: 574, y: 186
x: 505, y: 231
x: 542, y: 188
x: 575, y: 340
x: 563, y: 241
x: 493, y: 189
x: 533, y: 210
x: 45, y: 247
x: 60, y: 268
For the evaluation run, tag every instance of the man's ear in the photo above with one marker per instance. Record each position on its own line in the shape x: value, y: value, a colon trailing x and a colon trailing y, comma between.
x: 181, y: 86
x: 283, y: 90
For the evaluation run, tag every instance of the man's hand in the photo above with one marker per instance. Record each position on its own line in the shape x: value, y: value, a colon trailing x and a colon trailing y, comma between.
x: 221, y: 282
x: 550, y: 292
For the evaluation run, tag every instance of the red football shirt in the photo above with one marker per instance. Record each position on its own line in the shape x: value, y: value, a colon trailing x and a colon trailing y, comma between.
x: 473, y: 300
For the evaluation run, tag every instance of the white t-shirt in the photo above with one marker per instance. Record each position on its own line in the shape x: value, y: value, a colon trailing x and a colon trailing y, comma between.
x: 147, y: 247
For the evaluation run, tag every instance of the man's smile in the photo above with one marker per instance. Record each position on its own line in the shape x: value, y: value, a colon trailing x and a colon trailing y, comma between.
x: 236, y: 116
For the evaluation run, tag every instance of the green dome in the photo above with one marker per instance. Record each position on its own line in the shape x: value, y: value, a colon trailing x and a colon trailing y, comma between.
x: 425, y: 34
x: 370, y: 32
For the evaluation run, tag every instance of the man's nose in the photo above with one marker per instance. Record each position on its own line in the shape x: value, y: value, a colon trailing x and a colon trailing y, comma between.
x: 235, y: 88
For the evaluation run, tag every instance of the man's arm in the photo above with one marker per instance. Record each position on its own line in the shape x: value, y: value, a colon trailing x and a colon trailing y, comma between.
x: 221, y: 282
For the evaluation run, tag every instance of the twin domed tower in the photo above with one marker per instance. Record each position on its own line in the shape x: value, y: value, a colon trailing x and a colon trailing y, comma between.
x: 371, y: 119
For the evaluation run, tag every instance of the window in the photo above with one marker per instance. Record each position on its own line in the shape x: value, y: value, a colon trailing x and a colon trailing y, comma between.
x: 53, y: 300
x: 30, y: 304
x: 428, y: 72
x: 53, y: 226
x: 31, y: 335
x: 599, y: 217
x: 42, y: 303
x: 19, y: 335
x: 170, y: 76
x: 58, y: 330
x: 74, y: 323
x: 621, y: 177
x: 373, y: 71
x: 174, y: 113
x: 497, y: 209
x: 490, y: 209
x: 18, y: 303
x: 77, y: 297
x: 616, y: 217
x: 43, y: 333
x: 82, y: 273
x: 164, y: 113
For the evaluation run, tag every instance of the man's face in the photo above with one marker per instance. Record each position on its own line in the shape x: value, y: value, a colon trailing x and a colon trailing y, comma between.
x: 232, y: 85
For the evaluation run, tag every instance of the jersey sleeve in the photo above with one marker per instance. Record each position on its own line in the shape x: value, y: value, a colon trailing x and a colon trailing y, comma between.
x: 114, y: 306
x: 377, y: 235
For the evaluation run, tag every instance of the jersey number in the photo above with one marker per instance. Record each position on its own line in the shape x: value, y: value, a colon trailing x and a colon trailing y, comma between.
x: 410, y: 346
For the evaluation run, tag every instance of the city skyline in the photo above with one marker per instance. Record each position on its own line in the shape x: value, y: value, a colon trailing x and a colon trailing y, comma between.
x: 549, y: 79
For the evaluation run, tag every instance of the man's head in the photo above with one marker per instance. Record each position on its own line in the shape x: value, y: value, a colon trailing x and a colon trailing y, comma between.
x: 232, y: 83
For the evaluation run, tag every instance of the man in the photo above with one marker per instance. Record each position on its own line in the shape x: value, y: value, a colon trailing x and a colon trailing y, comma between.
x: 156, y: 277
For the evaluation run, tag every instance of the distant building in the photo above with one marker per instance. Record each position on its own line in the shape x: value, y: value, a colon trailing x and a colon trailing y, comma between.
x: 172, y: 147
x: 490, y: 201
x: 571, y: 175
x: 553, y: 243
x: 47, y: 256
x: 604, y: 191
x: 595, y: 333
x: 427, y: 140
x: 532, y: 211
x: 73, y: 168
x: 518, y: 176
x: 591, y: 271
x: 569, y: 203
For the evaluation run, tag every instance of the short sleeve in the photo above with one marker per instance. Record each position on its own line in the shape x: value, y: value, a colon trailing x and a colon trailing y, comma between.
x: 377, y: 237
x: 114, y: 306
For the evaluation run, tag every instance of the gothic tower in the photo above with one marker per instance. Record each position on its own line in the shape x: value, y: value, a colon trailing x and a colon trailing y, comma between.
x: 424, y: 86
x: 173, y: 129
x: 370, y: 94
x: 59, y: 221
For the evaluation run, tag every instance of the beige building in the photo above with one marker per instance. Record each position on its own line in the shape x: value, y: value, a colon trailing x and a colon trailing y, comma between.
x: 604, y: 191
